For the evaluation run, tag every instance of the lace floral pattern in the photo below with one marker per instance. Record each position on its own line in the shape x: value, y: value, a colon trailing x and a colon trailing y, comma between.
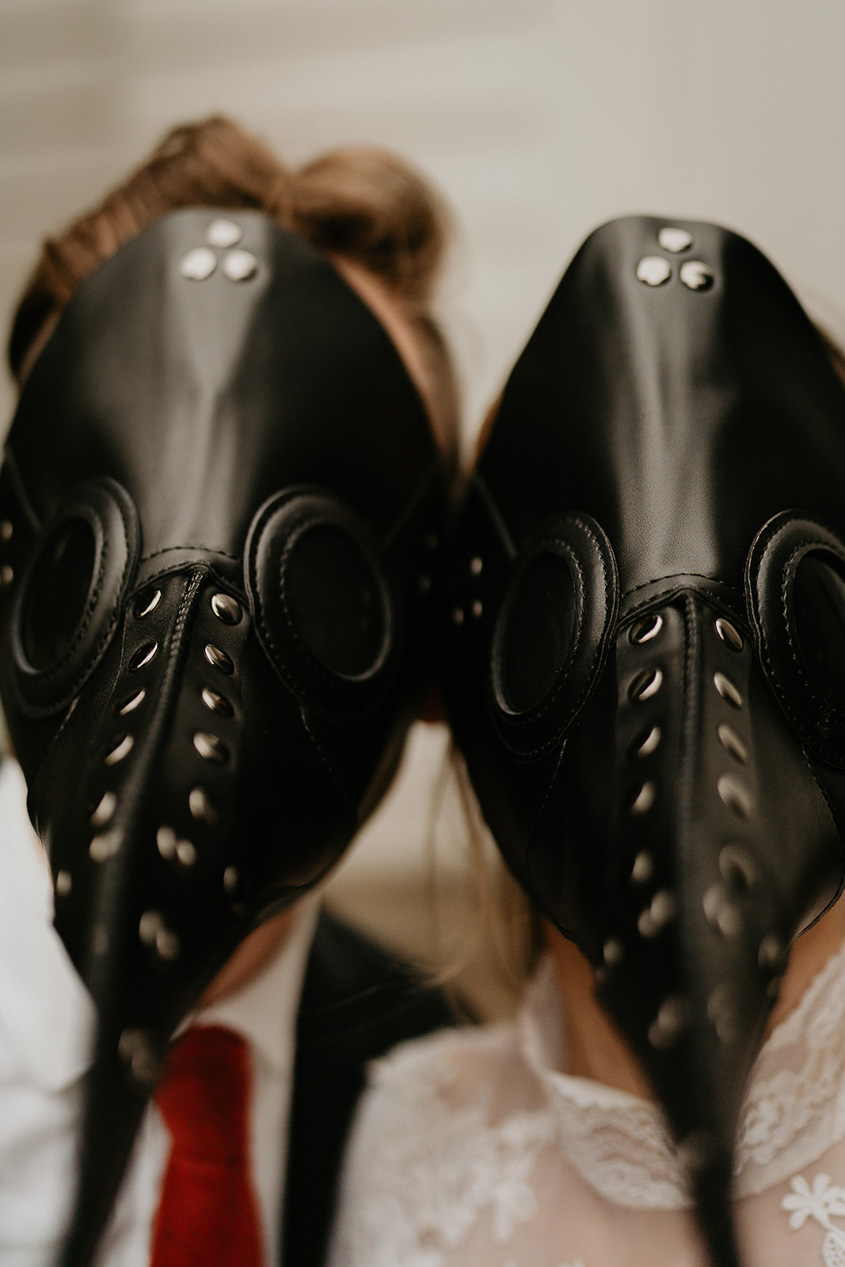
x: 822, y: 1202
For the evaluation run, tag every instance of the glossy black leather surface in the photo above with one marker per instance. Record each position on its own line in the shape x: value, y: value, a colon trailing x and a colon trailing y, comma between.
x: 205, y: 743
x: 674, y: 800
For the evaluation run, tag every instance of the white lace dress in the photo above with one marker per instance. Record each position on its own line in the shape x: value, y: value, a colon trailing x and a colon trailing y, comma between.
x: 471, y: 1151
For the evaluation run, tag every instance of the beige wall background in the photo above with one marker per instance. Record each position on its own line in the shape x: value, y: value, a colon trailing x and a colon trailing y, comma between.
x: 537, y: 118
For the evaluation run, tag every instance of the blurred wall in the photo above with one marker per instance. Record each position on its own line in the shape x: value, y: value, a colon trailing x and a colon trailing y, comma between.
x: 538, y: 119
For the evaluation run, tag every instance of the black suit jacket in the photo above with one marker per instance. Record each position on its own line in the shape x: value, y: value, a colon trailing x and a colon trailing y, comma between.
x: 357, y: 1002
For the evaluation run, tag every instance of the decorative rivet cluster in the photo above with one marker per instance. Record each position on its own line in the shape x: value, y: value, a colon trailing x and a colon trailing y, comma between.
x: 656, y: 270
x: 237, y: 264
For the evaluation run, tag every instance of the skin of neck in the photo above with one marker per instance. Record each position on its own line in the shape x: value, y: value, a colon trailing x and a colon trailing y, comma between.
x: 596, y: 1050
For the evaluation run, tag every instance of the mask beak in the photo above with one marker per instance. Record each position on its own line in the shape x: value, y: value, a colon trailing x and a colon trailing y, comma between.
x: 717, y: 849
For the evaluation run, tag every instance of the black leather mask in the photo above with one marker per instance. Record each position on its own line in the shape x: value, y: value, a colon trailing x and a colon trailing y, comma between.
x: 219, y: 504
x: 645, y: 648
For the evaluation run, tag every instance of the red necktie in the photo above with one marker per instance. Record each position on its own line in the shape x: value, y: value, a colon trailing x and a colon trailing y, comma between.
x: 207, y: 1215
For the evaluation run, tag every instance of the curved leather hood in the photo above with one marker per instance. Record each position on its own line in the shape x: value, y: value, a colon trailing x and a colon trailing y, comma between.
x: 645, y: 618
x: 219, y: 505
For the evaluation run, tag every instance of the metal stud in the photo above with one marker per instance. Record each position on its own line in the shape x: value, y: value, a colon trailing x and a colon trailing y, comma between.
x: 104, y: 846
x: 226, y: 608
x: 219, y: 659
x: 166, y: 840
x: 645, y: 747
x: 645, y: 685
x: 734, y: 795
x: 738, y: 868
x: 646, y: 628
x: 231, y: 880
x: 458, y: 616
x: 104, y: 812
x: 671, y: 1021
x: 727, y: 690
x: 143, y: 656
x: 201, y: 807
x: 723, y: 1014
x: 475, y: 565
x: 210, y: 747
x: 135, y: 1049
x: 64, y: 883
x: 674, y: 240
x: 732, y: 743
x: 239, y: 265
x: 477, y: 608
x: 223, y: 233
x: 643, y: 867
x: 121, y: 749
x: 129, y: 705
x: 155, y: 934
x: 198, y: 264
x: 696, y: 275
x: 217, y: 702
x: 653, y: 270
x: 7, y: 575
x: 186, y: 853
x: 7, y: 529
x: 771, y: 953
x: 721, y: 911
x: 729, y: 634
x: 146, y: 603
x: 644, y: 799
x: 663, y: 908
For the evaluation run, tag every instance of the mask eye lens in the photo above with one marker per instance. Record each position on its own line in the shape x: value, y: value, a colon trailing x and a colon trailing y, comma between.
x: 336, y: 602
x: 538, y: 623
x: 57, y: 593
x: 819, y: 613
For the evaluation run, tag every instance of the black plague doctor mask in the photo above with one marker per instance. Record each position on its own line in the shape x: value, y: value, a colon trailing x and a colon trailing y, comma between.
x: 219, y: 504
x: 646, y: 650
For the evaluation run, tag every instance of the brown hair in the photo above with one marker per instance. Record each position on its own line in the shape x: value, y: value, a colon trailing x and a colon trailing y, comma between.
x: 363, y: 204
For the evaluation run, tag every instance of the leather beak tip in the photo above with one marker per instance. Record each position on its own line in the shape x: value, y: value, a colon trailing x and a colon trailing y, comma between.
x: 711, y: 1185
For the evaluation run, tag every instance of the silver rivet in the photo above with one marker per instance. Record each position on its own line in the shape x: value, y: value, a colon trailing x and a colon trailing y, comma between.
x: 147, y: 603
x: 729, y: 634
x: 121, y: 749
x: 129, y: 705
x: 727, y: 690
x: 663, y: 908
x: 737, y: 868
x: 477, y: 608
x: 167, y: 945
x: 771, y: 954
x: 7, y: 575
x: 644, y: 799
x: 646, y: 628
x: 143, y: 656
x: 731, y: 742
x: 231, y: 880
x: 216, y: 702
x: 201, y: 807
x: 136, y: 1051
x: 424, y: 583
x: 645, y: 685
x: 734, y: 795
x: 198, y: 264
x: 674, y: 240
x: 613, y: 952
x: 219, y: 659
x: 105, y: 810
x: 458, y: 616
x: 226, y: 608
x: 696, y: 275
x: 150, y: 923
x: 166, y: 840
x: 723, y: 1014
x: 475, y: 565
x: 6, y: 530
x: 646, y: 925
x: 104, y: 846
x: 643, y: 868
x: 210, y: 747
x: 651, y: 742
x: 64, y: 884
x: 653, y: 270
x: 239, y: 265
x: 671, y: 1021
x: 721, y: 911
x: 223, y: 233
x: 186, y: 854
x: 729, y: 920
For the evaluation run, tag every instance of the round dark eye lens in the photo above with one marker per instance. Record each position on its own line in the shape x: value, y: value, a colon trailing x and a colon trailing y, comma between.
x: 336, y: 601
x: 819, y: 607
x: 57, y: 593
x: 537, y: 630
